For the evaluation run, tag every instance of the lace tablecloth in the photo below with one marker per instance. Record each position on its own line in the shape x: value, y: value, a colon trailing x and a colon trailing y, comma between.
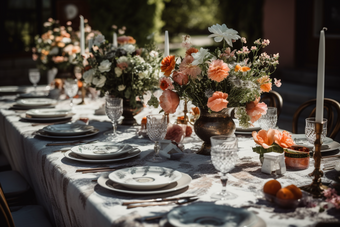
x: 75, y: 199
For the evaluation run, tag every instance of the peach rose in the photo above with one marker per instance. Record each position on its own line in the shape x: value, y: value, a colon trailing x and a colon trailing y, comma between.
x: 218, y: 101
x: 283, y: 139
x: 218, y: 70
x: 180, y: 78
x: 190, y: 51
x: 255, y: 109
x: 264, y: 138
x: 126, y: 39
x: 168, y: 64
x: 187, y: 68
x: 169, y: 101
x: 175, y: 133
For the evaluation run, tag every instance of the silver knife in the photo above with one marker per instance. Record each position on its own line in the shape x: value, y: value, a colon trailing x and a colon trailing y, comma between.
x: 157, y: 200
x: 178, y: 202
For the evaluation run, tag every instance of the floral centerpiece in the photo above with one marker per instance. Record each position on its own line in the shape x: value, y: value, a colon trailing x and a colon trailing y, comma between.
x: 56, y: 48
x: 125, y: 71
x: 225, y: 77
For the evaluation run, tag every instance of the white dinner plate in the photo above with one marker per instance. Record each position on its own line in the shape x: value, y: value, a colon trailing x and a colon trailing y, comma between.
x: 132, y: 153
x: 102, y: 150
x: 45, y: 119
x: 47, y: 113
x: 36, y: 102
x: 42, y: 133
x: 68, y: 129
x: 328, y: 144
x: 145, y: 177
x: 105, y: 182
x: 210, y: 214
x: 38, y: 94
x: 11, y: 89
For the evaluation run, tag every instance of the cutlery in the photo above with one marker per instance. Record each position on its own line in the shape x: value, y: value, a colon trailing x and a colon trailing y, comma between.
x: 107, y: 168
x: 158, y: 200
x: 71, y: 143
x: 331, y: 156
x: 178, y: 202
x: 54, y: 123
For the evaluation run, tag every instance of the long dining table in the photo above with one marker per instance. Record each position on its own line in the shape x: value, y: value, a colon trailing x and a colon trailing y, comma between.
x: 76, y: 199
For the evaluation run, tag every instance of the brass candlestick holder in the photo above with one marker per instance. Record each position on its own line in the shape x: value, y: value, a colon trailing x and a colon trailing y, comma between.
x: 167, y: 117
x: 316, y: 188
x: 185, y: 111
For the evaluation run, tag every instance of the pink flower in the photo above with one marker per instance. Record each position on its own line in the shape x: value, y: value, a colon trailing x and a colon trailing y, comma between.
x: 34, y: 57
x: 123, y: 65
x: 174, y: 133
x: 255, y: 109
x: 180, y: 78
x: 283, y: 139
x: 218, y: 70
x: 277, y: 82
x: 165, y: 83
x: 218, y: 101
x: 264, y: 138
x: 187, y: 68
x: 169, y: 101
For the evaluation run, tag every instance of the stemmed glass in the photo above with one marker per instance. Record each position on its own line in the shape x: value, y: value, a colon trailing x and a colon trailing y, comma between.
x: 224, y: 157
x: 71, y: 89
x: 114, y: 110
x: 310, y: 130
x: 269, y: 119
x: 34, y: 76
x: 156, y: 127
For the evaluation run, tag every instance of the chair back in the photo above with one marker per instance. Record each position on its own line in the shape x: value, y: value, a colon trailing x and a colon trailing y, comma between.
x: 6, y: 219
x: 273, y: 99
x: 332, y: 115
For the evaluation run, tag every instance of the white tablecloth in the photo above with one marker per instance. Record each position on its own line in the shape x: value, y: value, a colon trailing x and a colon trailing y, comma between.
x: 75, y: 199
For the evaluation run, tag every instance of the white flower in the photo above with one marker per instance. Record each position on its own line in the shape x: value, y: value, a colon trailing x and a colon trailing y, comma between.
x: 121, y: 87
x: 99, y: 82
x: 122, y: 59
x: 105, y: 66
x: 143, y: 74
x: 199, y: 56
x: 99, y: 40
x: 221, y: 32
x: 128, y: 48
x: 153, y: 54
x: 118, y: 71
x: 54, y: 51
x: 88, y: 75
x: 66, y: 40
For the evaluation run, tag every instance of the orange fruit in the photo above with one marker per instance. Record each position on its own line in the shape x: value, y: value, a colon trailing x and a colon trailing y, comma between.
x: 272, y: 187
x: 285, y: 193
x: 295, y: 190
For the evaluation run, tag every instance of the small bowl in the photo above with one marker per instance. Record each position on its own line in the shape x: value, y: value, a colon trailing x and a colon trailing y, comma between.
x: 289, y: 203
x: 297, y: 157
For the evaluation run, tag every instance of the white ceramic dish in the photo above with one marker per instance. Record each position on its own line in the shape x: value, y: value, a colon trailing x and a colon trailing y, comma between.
x: 46, y: 135
x: 132, y: 153
x: 67, y: 129
x: 38, y: 94
x: 209, y: 215
x: 11, y: 89
x: 145, y: 177
x: 47, y: 113
x: 45, y: 119
x: 102, y: 150
x: 36, y: 102
x: 328, y: 145
x: 183, y: 182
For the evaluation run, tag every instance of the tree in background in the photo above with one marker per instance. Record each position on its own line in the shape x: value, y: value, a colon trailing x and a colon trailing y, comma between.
x: 141, y: 18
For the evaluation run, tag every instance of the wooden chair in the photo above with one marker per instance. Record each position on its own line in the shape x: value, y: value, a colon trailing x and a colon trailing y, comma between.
x: 273, y: 99
x: 332, y: 115
x: 27, y: 216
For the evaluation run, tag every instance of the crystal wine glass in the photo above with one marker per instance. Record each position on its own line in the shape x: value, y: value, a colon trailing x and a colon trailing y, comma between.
x: 34, y: 76
x: 269, y: 119
x: 114, y: 110
x: 310, y: 130
x: 156, y: 127
x: 71, y: 89
x: 224, y: 157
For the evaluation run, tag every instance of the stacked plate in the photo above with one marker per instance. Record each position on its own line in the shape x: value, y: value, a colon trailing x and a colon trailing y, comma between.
x: 327, y: 145
x: 45, y: 115
x: 11, y: 90
x: 102, y: 152
x: 67, y: 131
x: 145, y: 180
x: 34, y: 103
x: 209, y: 215
x: 246, y: 131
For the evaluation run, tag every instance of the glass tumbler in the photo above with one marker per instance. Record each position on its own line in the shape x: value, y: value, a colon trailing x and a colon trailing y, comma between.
x: 269, y: 119
x: 310, y: 130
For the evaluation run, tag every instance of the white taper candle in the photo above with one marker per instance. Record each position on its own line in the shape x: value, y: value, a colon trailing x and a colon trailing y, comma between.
x: 115, y: 44
x: 321, y: 79
x: 166, y: 44
x: 82, y: 36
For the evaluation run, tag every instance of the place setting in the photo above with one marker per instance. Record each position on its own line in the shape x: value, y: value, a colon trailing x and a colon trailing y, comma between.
x: 34, y: 103
x: 47, y: 115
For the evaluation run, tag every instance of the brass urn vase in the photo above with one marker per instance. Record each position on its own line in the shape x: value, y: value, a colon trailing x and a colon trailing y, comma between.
x: 213, y: 124
x: 129, y: 112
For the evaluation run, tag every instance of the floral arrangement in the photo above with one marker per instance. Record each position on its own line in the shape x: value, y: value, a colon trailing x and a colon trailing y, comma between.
x: 272, y: 141
x: 124, y: 71
x: 223, y: 78
x: 332, y: 197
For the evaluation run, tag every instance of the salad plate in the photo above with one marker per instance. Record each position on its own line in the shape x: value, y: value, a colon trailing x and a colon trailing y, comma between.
x: 27, y: 117
x: 36, y: 102
x: 183, y: 182
x: 44, y: 134
x: 101, y: 150
x: 47, y: 113
x: 145, y: 177
x: 68, y: 129
x: 327, y: 145
x: 11, y: 89
x: 130, y: 154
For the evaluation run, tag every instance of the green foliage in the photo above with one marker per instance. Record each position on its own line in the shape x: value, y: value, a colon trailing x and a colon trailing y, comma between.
x: 141, y: 18
x: 274, y: 148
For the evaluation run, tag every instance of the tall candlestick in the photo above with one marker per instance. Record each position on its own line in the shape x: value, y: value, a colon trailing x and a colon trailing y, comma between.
x: 321, y: 79
x: 166, y: 44
x: 82, y: 36
x: 115, y: 40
